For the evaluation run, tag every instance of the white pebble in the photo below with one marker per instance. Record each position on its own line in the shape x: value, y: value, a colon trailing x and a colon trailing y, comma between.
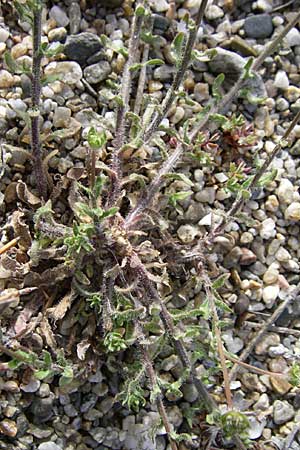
x: 292, y: 212
x: 285, y: 191
x: 267, y: 230
x: 281, y: 80
x: 270, y: 294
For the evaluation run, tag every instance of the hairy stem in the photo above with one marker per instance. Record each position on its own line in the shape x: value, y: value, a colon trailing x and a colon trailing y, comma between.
x: 35, y: 97
x: 169, y: 326
x: 175, y: 157
x: 142, y: 77
x: 160, y: 406
x: 185, y: 61
x: 124, y: 106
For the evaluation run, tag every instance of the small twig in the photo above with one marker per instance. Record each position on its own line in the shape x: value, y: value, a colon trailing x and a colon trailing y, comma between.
x: 276, y: 314
x: 290, y: 438
x: 282, y: 330
x: 9, y: 245
x: 255, y: 369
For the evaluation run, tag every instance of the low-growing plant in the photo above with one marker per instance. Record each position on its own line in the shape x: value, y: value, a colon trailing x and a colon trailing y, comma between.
x: 117, y: 253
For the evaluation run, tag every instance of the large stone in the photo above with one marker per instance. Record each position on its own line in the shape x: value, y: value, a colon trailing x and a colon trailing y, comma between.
x: 259, y: 26
x: 232, y: 65
x: 82, y: 46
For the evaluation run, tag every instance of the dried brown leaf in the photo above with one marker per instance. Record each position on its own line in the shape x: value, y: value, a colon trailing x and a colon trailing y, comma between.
x: 26, y: 196
x: 58, y: 312
x: 82, y: 348
x: 21, y: 229
x: 48, y: 334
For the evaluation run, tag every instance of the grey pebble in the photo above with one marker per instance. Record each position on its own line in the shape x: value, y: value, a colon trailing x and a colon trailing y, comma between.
x: 259, y: 26
x: 97, y: 72
x: 75, y: 17
x: 283, y: 412
x: 81, y: 46
x: 59, y: 16
x: 50, y: 445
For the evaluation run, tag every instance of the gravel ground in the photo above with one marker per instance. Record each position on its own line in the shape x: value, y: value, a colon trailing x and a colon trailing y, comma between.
x: 261, y: 250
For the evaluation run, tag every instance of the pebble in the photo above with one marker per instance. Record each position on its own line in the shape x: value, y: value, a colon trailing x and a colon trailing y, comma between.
x: 256, y: 427
x: 178, y: 115
x: 97, y: 72
x: 187, y: 233
x: 280, y: 385
x: 259, y: 26
x: 8, y: 428
x: 292, y: 93
x: 247, y: 257
x: 69, y: 71
x: 283, y: 412
x: 267, y: 341
x: 285, y: 191
x: 292, y: 212
x: 32, y: 386
x: 50, y: 445
x: 159, y: 6
x: 61, y: 117
x: 214, y: 12
x: 263, y: 403
x: 164, y: 73
x: 270, y: 294
x: 4, y: 35
x: 281, y: 80
x: 190, y: 392
x: 59, y: 16
x: 267, y: 229
x: 6, y: 79
x: 57, y: 34
x: 271, y: 275
x: 293, y: 37
x: 80, y: 47
x: 282, y: 255
x: 206, y: 195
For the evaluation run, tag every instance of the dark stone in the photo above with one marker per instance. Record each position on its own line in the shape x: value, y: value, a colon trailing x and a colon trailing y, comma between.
x: 160, y: 23
x: 42, y: 409
x: 259, y: 26
x: 81, y: 47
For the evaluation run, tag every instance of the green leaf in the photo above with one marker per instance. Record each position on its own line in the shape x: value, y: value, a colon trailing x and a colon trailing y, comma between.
x: 96, y: 139
x: 42, y: 374
x: 247, y: 69
x: 218, y: 118
x: 149, y: 38
x: 99, y: 183
x: 181, y: 195
x: 206, y: 56
x: 151, y: 62
x: 11, y: 63
x: 179, y: 176
x: 47, y: 358
x: 267, y: 178
x: 53, y: 49
x: 216, y: 93
x: 140, y: 11
x: 14, y: 364
x: 177, y: 47
x: 220, y: 281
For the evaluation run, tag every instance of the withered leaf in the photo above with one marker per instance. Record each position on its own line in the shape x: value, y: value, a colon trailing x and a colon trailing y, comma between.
x: 82, y: 348
x: 49, y: 276
x: 21, y: 230
x: 48, y: 334
x: 58, y: 312
x: 26, y: 196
